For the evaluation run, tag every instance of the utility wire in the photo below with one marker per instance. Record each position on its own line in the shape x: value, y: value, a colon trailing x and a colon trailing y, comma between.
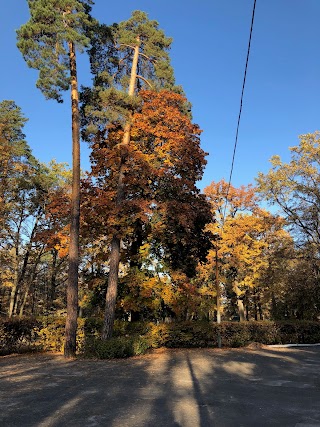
x: 240, y: 111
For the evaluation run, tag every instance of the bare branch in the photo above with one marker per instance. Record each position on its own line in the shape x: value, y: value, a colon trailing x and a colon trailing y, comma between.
x: 145, y: 80
x: 126, y: 45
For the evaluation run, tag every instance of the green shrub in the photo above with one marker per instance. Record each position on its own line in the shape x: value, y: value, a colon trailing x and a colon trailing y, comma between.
x: 264, y: 332
x: 300, y: 332
x: 117, y: 347
x: 18, y: 335
x: 135, y: 338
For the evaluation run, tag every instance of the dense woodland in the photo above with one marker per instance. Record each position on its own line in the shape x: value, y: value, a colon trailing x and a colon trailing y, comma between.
x: 152, y: 246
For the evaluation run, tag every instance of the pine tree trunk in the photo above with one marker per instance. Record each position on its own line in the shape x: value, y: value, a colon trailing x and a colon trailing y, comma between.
x: 112, y: 289
x: 72, y: 284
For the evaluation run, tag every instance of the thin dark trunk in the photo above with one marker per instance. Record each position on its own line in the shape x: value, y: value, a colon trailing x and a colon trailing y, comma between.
x: 260, y: 311
x: 112, y: 289
x: 54, y: 270
x: 19, y: 276
x: 274, y: 308
x: 24, y: 301
x: 72, y: 284
x: 30, y: 283
x: 14, y: 289
x: 136, y: 245
x: 255, y: 299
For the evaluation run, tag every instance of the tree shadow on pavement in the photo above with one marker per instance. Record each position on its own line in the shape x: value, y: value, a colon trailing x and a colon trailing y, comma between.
x: 199, y: 387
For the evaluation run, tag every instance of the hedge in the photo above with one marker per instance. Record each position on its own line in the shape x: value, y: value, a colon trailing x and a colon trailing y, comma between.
x: 134, y: 338
x: 18, y: 335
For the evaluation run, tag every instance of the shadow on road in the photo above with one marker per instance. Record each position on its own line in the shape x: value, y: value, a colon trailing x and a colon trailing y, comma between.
x: 202, y: 387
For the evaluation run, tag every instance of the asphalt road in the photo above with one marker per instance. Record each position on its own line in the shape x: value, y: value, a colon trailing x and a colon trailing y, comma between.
x: 187, y: 388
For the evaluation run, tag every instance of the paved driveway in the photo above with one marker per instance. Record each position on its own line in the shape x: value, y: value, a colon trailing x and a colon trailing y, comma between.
x: 187, y: 388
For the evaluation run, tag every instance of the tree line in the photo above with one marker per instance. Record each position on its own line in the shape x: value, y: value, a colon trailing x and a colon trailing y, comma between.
x: 134, y: 238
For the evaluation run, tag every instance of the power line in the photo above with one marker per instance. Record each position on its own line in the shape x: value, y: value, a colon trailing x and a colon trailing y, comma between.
x: 240, y: 111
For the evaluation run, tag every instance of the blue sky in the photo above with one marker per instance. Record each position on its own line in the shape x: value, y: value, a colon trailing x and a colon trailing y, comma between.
x: 208, y: 54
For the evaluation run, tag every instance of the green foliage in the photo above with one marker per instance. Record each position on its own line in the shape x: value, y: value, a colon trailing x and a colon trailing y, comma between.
x: 117, y: 347
x: 302, y: 332
x: 111, y: 57
x: 136, y: 338
x: 18, y: 335
x: 43, y: 40
x: 233, y: 334
x: 12, y: 122
x: 155, y: 62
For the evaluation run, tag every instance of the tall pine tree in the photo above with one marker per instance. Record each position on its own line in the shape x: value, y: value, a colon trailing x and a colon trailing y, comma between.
x: 48, y: 43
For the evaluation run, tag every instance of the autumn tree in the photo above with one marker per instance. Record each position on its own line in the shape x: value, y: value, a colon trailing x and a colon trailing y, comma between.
x: 48, y: 43
x: 163, y: 214
x: 247, y: 235
x: 227, y: 202
x: 53, y: 236
x: 294, y: 188
x: 124, y: 57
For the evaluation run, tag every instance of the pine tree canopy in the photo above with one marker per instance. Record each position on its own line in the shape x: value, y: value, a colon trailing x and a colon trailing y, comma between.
x: 43, y: 40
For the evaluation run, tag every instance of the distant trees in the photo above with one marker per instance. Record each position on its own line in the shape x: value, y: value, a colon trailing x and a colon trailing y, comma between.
x: 295, y: 188
x: 27, y: 188
x: 246, y: 239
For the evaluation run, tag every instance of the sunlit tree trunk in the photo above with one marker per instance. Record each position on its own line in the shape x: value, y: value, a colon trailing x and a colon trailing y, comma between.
x: 72, y: 284
x: 239, y: 301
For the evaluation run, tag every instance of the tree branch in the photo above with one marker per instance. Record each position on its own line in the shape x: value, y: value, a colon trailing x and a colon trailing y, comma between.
x: 145, y: 80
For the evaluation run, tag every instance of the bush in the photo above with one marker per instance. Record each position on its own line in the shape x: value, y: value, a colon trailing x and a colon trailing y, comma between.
x: 264, y: 332
x: 117, y: 347
x: 233, y: 334
x: 135, y: 338
x: 51, y: 334
x: 300, y: 332
x: 18, y: 335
